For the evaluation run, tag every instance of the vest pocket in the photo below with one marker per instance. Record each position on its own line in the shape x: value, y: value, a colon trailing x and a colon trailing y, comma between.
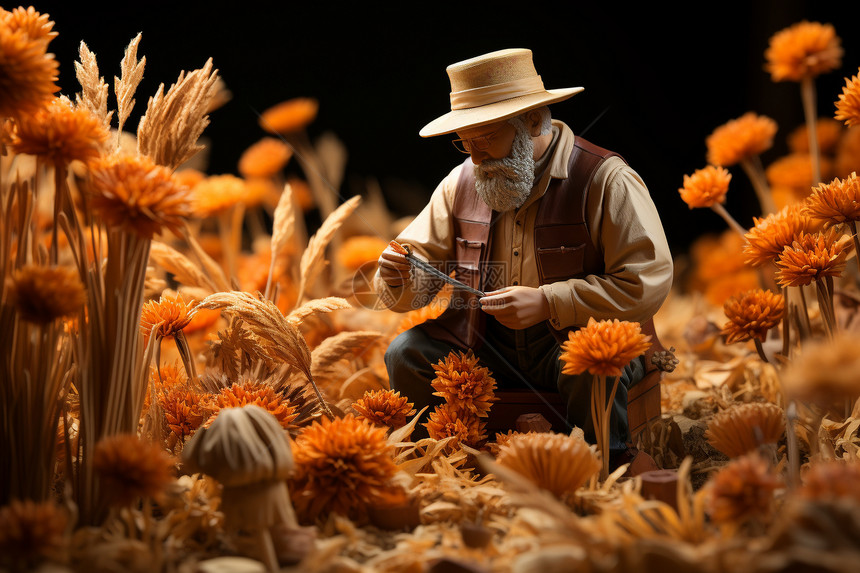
x: 467, y: 265
x: 560, y: 263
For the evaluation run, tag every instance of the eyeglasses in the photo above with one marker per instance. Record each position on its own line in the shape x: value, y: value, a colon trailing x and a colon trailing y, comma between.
x: 481, y: 143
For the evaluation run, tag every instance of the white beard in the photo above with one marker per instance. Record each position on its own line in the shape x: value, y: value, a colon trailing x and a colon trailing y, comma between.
x: 505, y: 184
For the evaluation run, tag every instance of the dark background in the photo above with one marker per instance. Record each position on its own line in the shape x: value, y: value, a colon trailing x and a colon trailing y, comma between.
x: 665, y: 80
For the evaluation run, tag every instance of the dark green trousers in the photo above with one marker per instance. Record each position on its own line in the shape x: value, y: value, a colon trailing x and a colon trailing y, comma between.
x: 527, y: 358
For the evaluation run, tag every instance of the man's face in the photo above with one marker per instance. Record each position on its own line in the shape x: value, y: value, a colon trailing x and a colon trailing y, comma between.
x: 504, y: 169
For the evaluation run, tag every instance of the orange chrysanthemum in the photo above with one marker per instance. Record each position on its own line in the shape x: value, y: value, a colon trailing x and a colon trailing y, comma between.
x: 836, y: 202
x: 202, y: 319
x: 752, y: 314
x: 771, y: 234
x: 384, y: 407
x: 169, y: 311
x: 834, y: 480
x: 827, y: 130
x: 813, y: 257
x: 603, y: 348
x: 30, y: 533
x: 168, y: 375
x: 804, y: 50
x: 848, y: 104
x: 130, y: 468
x: 260, y: 191
x: 189, y: 177
x: 464, y: 384
x: 258, y: 393
x: 132, y: 192
x: 217, y: 193
x: 264, y: 158
x: 742, y: 490
x: 44, y: 294
x: 361, y: 249
x: 826, y: 371
x: 28, y: 73
x: 61, y: 134
x: 742, y: 428
x: 555, y: 462
x: 795, y: 171
x: 740, y: 139
x: 342, y: 466
x: 705, y: 187
x: 448, y: 420
x: 289, y: 116
x: 185, y: 409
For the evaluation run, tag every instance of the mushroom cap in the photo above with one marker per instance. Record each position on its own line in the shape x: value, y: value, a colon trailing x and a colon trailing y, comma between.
x: 241, y: 446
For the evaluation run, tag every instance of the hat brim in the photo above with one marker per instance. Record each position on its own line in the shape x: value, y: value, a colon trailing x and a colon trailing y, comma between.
x: 490, y: 113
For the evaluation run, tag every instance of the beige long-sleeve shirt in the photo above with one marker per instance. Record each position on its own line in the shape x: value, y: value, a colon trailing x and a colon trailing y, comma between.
x: 623, y: 223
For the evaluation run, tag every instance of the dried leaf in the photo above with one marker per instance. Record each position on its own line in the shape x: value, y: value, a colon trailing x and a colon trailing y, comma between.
x: 314, y: 256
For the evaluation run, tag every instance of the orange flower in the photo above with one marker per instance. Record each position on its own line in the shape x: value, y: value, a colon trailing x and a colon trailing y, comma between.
x: 557, y: 463
x: 752, y: 314
x: 184, y: 409
x: 447, y: 420
x: 189, y: 177
x: 259, y: 191
x: 742, y: 428
x: 289, y: 116
x: 202, y: 319
x: 264, y: 158
x: 705, y: 187
x: 771, y: 234
x: 361, y: 249
x: 170, y: 312
x: 61, y: 134
x: 167, y: 376
x: 28, y: 73
x: 848, y: 153
x: 342, y: 466
x: 217, y: 193
x: 263, y: 395
x: 130, y: 468
x: 826, y: 371
x: 827, y: 130
x: 37, y: 26
x: 384, y: 407
x: 44, y: 294
x: 135, y: 193
x: 848, y: 104
x: 603, y: 348
x: 464, y: 384
x: 31, y: 532
x: 813, y: 257
x: 834, y: 480
x: 740, y: 139
x: 742, y: 490
x: 837, y: 201
x: 795, y: 171
x: 804, y: 50
x: 720, y: 289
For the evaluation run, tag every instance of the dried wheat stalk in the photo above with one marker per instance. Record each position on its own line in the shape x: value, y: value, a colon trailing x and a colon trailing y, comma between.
x: 131, y: 72
x: 313, y: 258
x: 169, y: 130
x: 340, y: 346
x: 316, y: 306
x: 94, y: 90
x: 184, y: 271
x: 283, y: 227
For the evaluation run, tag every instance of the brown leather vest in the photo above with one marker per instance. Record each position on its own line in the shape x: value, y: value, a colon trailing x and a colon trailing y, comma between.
x: 562, y: 242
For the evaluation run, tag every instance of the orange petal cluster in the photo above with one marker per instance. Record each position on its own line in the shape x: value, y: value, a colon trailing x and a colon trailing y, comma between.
x: 742, y: 490
x: 60, y: 134
x: 384, y: 407
x: 446, y: 420
x: 130, y: 468
x: 603, y: 348
x: 217, y: 193
x: 169, y: 311
x: 812, y: 257
x: 804, y: 50
x: 30, y: 533
x: 360, y: 249
x: 185, y: 409
x: 827, y: 130
x: 848, y: 104
x: 258, y: 393
x: 464, y: 384
x: 740, y: 139
x: 706, y: 187
x: 264, y: 158
x: 132, y: 192
x: 28, y: 73
x: 752, y: 314
x: 835, y: 202
x: 555, y: 462
x: 827, y: 371
x: 342, y: 466
x: 771, y: 234
x: 832, y: 480
x: 289, y: 116
x: 742, y: 428
x: 795, y: 171
x: 44, y: 294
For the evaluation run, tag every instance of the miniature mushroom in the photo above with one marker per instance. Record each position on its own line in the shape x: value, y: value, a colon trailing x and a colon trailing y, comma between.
x: 247, y: 451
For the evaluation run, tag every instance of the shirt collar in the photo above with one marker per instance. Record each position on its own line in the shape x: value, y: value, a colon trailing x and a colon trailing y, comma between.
x: 563, y: 149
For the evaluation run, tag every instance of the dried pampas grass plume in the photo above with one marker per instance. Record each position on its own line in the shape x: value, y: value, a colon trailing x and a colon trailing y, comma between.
x: 94, y: 90
x: 742, y: 428
x: 131, y: 71
x: 557, y: 463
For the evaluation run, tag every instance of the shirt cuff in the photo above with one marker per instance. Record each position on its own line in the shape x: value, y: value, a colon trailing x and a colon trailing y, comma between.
x: 553, y: 311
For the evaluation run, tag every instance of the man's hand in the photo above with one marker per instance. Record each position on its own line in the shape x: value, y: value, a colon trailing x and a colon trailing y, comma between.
x: 517, y: 307
x: 394, y: 268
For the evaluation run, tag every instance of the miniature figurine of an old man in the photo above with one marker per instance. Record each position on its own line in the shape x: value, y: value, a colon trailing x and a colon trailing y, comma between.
x: 553, y: 229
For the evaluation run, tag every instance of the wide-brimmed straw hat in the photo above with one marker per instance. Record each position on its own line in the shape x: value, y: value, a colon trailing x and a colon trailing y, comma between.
x: 493, y: 87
